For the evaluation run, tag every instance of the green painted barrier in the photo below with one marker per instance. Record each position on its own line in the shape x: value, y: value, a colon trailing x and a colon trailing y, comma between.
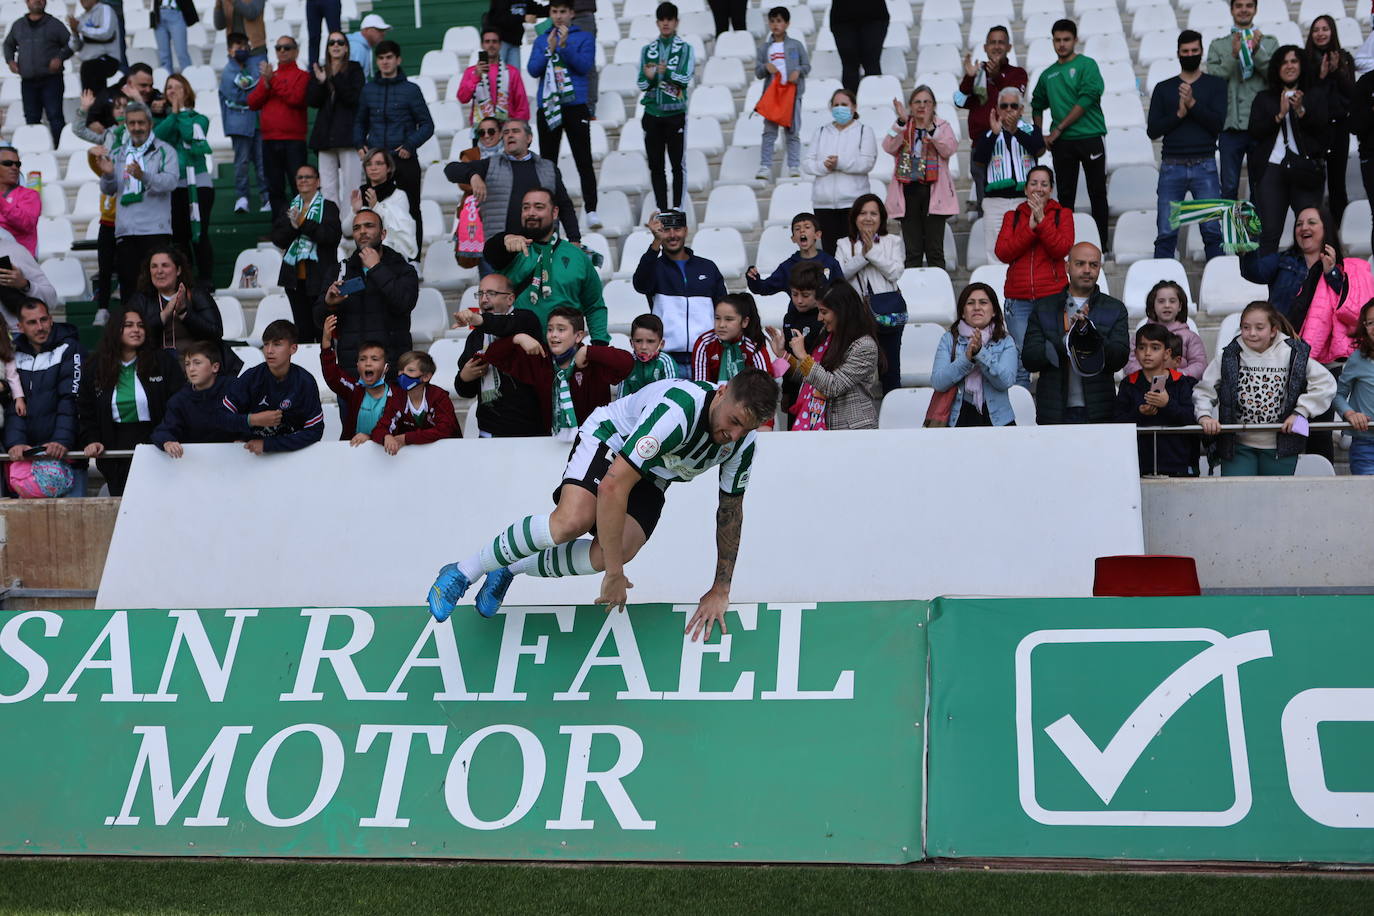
x: 1178, y: 728
x: 550, y: 733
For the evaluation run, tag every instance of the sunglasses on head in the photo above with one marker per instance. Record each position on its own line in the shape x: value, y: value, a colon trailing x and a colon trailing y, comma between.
x: 10, y: 163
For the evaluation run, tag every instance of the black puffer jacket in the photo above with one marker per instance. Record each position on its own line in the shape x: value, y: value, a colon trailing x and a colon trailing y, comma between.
x: 337, y: 100
x: 52, y: 383
x: 96, y: 414
x: 380, y: 312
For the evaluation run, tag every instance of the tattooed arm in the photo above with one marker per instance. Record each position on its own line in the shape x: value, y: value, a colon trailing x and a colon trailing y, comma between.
x: 711, y: 609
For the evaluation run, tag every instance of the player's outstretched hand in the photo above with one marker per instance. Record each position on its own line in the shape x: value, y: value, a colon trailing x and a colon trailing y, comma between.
x: 710, y: 611
x: 614, y: 591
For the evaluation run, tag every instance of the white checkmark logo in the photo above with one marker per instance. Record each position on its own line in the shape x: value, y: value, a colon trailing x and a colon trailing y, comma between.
x: 1105, y: 769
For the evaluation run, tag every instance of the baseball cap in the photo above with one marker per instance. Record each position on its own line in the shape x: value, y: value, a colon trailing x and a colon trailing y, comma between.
x: 373, y: 21
x: 1087, y: 353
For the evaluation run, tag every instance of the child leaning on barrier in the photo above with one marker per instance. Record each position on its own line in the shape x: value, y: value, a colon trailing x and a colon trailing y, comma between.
x: 1157, y: 394
x: 1355, y: 393
x: 363, y: 395
x: 418, y: 413
x: 1263, y: 376
x: 276, y: 405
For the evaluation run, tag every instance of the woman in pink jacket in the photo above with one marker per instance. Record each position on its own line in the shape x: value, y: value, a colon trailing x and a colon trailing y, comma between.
x: 20, y: 207
x: 1332, y: 317
x: 921, y: 193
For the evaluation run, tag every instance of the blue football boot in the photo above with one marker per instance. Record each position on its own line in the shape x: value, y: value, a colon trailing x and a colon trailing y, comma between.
x: 446, y: 590
x: 493, y: 591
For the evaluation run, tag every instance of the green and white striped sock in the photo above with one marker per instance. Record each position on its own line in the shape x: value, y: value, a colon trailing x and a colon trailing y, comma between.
x: 526, y: 537
x: 571, y: 559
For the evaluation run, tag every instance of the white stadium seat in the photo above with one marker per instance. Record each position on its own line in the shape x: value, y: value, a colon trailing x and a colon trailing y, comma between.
x: 724, y: 246
x: 904, y: 408
x: 272, y: 307
x: 1224, y: 290
x: 623, y: 305
x: 789, y: 199
x: 1133, y: 187
x: 68, y: 277
x: 55, y: 236
x: 627, y: 172
x: 429, y: 320
x: 440, y: 269
x: 267, y: 265
x: 919, y: 343
x: 733, y: 206
x: 1134, y: 236
x: 631, y: 250
x: 445, y: 353
x: 929, y: 295
x: 231, y: 316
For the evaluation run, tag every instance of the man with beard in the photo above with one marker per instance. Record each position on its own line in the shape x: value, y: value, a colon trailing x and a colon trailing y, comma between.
x: 373, y: 296
x: 545, y: 270
x: 500, y: 182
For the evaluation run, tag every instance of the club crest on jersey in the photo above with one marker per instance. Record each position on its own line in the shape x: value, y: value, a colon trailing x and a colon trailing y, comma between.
x: 646, y: 447
x: 286, y: 404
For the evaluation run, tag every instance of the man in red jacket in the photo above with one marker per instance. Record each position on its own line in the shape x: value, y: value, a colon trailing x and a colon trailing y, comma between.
x: 280, y: 98
x: 1034, y: 241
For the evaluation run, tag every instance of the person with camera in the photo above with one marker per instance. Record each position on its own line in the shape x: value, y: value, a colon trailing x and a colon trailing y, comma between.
x: 495, y: 89
x: 373, y: 295
x: 682, y: 288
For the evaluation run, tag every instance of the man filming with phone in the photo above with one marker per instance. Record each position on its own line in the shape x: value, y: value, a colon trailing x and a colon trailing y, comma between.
x: 373, y: 295
x: 681, y: 287
x: 495, y: 89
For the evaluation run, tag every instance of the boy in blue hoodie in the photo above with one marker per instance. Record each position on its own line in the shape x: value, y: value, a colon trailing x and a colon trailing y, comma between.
x: 276, y: 405
x: 1159, y: 395
x: 196, y: 413
x: 806, y: 235
x: 563, y: 58
x: 237, y: 79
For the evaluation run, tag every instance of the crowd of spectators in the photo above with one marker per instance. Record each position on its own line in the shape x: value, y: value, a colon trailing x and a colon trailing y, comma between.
x: 539, y: 355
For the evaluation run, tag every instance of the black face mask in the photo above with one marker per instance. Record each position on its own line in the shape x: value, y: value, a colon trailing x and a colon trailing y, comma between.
x: 1190, y: 62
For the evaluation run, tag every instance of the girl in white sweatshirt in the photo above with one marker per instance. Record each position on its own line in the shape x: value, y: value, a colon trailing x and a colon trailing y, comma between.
x: 1264, y: 376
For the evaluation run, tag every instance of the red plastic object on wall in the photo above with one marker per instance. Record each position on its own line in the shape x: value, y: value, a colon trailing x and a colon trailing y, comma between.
x: 1145, y: 576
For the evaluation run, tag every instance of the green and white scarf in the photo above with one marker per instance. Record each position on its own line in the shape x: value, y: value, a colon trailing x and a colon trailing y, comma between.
x: 1247, y: 59
x: 1010, y: 163
x: 731, y: 360
x: 1240, y: 222
x: 189, y: 156
x: 557, y: 90
x: 133, y: 187
x: 671, y: 82
x: 303, y: 248
x: 564, y: 415
x: 539, y: 286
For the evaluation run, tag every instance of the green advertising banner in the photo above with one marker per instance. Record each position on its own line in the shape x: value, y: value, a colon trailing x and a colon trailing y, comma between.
x: 1178, y: 728
x: 549, y: 732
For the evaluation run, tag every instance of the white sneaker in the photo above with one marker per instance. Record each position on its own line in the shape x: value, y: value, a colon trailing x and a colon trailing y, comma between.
x: 266, y: 207
x: 593, y: 220
x: 763, y: 174
x: 794, y: 172
x: 241, y: 205
x: 101, y: 316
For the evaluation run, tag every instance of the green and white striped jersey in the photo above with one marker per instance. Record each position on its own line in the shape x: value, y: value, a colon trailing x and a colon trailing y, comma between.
x: 664, y: 430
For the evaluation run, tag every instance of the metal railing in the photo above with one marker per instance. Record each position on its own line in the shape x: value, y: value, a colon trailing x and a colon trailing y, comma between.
x: 1154, y: 432
x: 73, y: 455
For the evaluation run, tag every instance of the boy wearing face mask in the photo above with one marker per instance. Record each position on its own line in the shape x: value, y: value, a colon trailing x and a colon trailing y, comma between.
x: 362, y: 396
x: 570, y: 379
x: 418, y: 413
x: 1188, y: 111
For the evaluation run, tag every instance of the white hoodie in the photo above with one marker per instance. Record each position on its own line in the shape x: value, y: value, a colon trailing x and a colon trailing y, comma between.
x: 855, y: 149
x: 1261, y: 389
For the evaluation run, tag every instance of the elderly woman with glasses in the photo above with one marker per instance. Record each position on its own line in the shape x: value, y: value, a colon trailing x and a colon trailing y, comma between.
x: 921, y: 193
x: 308, y: 233
x: 335, y: 90
x: 1004, y: 155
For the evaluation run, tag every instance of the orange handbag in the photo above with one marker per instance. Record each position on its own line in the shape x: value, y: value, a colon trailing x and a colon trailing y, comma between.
x: 777, y: 102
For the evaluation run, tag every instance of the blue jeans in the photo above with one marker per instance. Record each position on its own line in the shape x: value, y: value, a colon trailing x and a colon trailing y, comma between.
x: 316, y: 10
x: 1236, y: 147
x: 248, y: 154
x: 1362, y: 454
x: 1178, y: 179
x: 171, y: 30
x: 510, y: 54
x: 42, y: 94
x: 793, y: 137
x: 1018, y: 313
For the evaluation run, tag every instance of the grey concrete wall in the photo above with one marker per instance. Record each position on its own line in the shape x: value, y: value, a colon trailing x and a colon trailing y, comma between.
x: 1276, y: 533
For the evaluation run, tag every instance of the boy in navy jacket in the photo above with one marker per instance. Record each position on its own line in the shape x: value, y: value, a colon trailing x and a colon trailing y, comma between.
x: 276, y: 405
x: 806, y: 235
x: 196, y: 412
x: 1159, y: 395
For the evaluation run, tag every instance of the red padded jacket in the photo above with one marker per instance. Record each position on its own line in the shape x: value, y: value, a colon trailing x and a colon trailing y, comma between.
x: 1035, y: 257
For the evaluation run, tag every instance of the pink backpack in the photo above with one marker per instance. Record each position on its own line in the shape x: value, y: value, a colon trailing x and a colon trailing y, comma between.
x: 44, y: 478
